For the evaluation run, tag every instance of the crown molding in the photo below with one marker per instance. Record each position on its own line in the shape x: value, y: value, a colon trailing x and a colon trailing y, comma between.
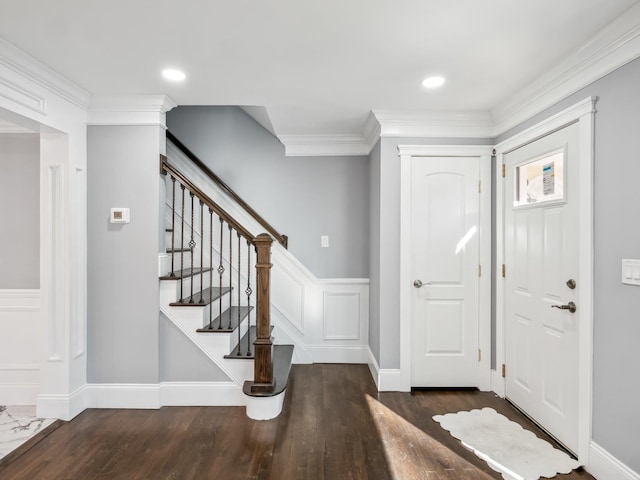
x: 372, y: 130
x: 445, y: 150
x: 419, y: 124
x: 324, y: 145
x: 25, y: 66
x: 129, y: 109
x: 614, y: 46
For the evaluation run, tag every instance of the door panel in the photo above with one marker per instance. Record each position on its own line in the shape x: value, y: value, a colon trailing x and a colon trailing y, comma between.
x: 445, y: 252
x: 541, y: 250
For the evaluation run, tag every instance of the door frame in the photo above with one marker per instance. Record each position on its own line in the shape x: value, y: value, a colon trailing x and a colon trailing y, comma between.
x: 581, y: 113
x: 483, y: 154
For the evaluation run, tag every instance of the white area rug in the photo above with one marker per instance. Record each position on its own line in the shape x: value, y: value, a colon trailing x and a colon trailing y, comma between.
x: 507, y: 447
x: 17, y: 425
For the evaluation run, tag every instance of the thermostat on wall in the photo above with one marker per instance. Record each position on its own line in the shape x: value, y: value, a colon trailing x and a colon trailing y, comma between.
x: 119, y: 215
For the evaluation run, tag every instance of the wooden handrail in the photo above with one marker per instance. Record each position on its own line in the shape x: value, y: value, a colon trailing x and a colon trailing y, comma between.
x: 282, y: 239
x: 222, y: 213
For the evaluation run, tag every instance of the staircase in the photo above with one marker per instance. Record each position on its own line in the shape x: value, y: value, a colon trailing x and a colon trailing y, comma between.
x: 215, y: 287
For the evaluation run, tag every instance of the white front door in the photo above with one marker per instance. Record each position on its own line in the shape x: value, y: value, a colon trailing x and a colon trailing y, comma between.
x: 445, y: 216
x: 541, y: 252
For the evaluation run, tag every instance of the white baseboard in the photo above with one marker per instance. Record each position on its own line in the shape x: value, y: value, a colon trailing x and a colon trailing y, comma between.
x: 201, y: 394
x: 140, y: 396
x: 123, y: 395
x: 19, y: 393
x: 64, y: 407
x: 605, y: 466
x: 497, y: 383
x: 19, y: 383
x: 386, y: 379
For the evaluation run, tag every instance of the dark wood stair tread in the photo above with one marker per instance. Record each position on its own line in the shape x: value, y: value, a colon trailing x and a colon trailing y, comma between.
x: 208, y: 295
x: 241, y: 348
x: 184, y: 273
x: 229, y: 320
x: 178, y: 250
x: 282, y: 357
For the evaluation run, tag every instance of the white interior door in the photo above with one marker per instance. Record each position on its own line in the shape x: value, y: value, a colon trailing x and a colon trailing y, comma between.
x: 541, y: 252
x: 445, y: 211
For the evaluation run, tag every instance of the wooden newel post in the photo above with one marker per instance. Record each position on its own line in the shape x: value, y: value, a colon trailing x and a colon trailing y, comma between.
x: 263, y: 381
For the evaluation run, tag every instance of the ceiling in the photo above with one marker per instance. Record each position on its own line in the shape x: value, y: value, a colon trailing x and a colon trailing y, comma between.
x: 319, y: 68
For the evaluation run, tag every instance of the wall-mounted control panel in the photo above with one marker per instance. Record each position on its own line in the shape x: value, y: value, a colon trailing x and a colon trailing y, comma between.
x: 630, y: 272
x: 119, y: 215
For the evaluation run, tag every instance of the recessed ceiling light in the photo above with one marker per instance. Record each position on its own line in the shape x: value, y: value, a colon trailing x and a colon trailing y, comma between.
x: 433, y: 82
x: 173, y: 75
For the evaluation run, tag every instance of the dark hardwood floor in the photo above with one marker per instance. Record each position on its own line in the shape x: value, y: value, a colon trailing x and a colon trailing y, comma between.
x: 334, y: 426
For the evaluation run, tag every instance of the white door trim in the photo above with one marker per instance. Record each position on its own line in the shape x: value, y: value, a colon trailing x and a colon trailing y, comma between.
x: 483, y: 153
x: 582, y: 113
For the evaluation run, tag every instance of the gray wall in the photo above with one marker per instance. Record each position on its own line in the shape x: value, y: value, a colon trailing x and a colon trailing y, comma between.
x: 616, y: 356
x: 389, y: 241
x: 122, y: 283
x: 302, y: 197
x: 20, y: 211
x: 181, y: 360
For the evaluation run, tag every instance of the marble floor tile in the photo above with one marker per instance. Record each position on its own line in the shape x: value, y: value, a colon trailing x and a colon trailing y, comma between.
x: 17, y: 425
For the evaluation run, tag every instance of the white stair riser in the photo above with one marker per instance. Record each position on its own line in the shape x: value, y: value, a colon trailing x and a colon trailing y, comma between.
x: 170, y: 289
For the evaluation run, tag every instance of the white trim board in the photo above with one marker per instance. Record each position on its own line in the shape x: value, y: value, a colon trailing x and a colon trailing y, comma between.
x: 406, y: 152
x: 140, y: 396
x: 386, y: 379
x: 605, y: 466
x: 582, y: 113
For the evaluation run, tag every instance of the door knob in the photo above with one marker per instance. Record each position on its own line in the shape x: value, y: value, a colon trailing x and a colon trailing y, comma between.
x: 569, y: 306
x: 418, y: 283
x: 571, y: 283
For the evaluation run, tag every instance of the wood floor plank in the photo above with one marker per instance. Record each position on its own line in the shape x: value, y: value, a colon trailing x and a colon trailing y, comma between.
x: 334, y: 425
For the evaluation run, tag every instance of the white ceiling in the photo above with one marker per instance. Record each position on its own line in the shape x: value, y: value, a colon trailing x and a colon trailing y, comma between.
x: 318, y: 67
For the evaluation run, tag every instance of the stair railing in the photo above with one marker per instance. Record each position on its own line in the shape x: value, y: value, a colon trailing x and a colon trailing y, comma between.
x: 187, y: 200
x: 282, y: 239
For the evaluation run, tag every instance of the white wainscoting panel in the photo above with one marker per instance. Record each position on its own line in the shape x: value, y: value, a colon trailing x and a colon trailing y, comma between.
x: 20, y: 313
x: 341, y: 316
x: 288, y: 295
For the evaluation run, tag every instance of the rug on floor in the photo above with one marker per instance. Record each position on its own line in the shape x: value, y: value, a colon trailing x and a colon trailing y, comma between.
x: 17, y: 425
x: 507, y: 447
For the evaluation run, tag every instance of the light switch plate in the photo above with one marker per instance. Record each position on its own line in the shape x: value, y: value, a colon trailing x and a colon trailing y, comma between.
x: 119, y: 215
x: 630, y: 271
x: 324, y: 241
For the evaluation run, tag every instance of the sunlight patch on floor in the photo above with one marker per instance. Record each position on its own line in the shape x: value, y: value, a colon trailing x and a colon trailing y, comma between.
x: 413, y: 454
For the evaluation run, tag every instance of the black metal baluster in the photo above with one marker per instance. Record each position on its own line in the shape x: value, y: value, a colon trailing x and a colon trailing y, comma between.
x: 230, y: 271
x: 192, y: 244
x: 182, y: 247
x: 201, y: 253
x: 239, y: 301
x: 173, y: 225
x: 248, y: 291
x: 211, y: 265
x: 220, y: 272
